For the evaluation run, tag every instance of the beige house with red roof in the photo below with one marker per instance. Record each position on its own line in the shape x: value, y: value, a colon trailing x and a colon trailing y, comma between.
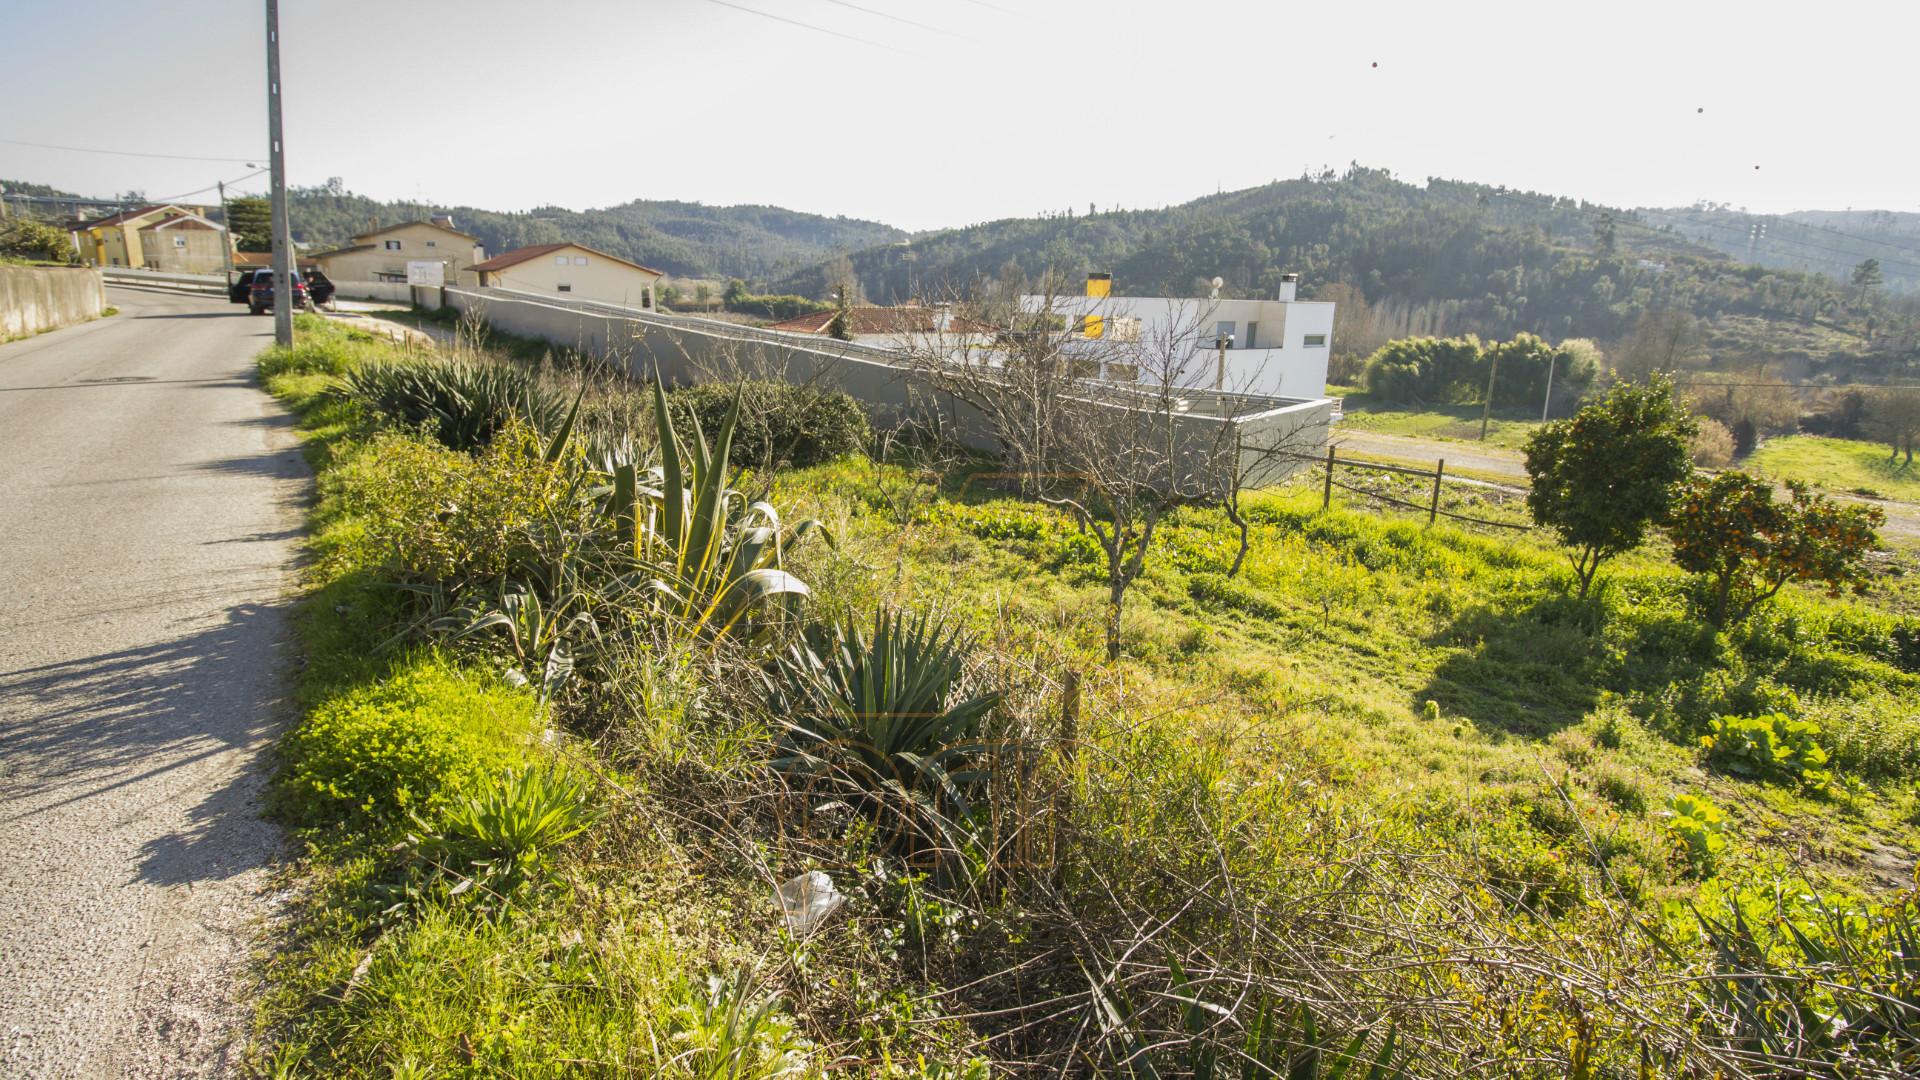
x: 573, y: 271
x: 383, y: 254
x: 168, y: 238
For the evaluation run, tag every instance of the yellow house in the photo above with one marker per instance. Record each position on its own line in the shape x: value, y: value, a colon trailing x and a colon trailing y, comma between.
x: 137, y: 238
x: 383, y: 254
x: 574, y: 271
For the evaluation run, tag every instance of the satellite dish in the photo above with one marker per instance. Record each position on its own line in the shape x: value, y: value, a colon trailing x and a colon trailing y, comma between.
x: 1214, y: 292
x: 1219, y: 281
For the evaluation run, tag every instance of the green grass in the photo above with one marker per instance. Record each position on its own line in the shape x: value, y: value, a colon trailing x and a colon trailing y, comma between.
x: 1841, y: 465
x: 1508, y: 429
x: 1376, y: 722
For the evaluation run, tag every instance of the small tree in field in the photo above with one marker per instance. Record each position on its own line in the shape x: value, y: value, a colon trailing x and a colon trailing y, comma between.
x: 1602, y: 478
x: 1730, y: 530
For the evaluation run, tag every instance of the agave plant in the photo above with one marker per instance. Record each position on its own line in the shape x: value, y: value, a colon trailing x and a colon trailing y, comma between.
x: 712, y: 557
x: 882, y: 711
x: 464, y: 403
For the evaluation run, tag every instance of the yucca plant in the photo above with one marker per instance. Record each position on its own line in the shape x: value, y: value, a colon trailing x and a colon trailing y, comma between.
x: 711, y: 557
x: 1836, y: 993
x: 502, y: 839
x: 883, y: 711
x: 463, y: 403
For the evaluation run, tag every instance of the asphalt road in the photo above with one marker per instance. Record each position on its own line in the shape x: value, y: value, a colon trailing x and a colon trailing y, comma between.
x: 150, y: 501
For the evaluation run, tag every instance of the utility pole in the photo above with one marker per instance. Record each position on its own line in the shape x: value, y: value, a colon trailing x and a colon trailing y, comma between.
x: 1552, y: 359
x: 1486, y: 413
x: 226, y: 222
x: 282, y: 231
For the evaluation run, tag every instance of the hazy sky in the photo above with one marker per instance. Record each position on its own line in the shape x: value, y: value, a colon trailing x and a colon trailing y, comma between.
x: 967, y: 110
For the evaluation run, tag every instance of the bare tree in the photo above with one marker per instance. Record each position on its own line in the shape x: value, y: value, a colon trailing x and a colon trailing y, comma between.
x: 1114, y: 417
x: 1894, y: 415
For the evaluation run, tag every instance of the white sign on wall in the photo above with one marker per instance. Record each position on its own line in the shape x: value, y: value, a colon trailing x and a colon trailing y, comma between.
x: 426, y: 273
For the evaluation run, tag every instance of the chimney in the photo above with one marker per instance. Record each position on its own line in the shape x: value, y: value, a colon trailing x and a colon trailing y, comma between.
x: 445, y: 221
x: 1099, y: 284
x: 1289, y: 285
x: 942, y: 318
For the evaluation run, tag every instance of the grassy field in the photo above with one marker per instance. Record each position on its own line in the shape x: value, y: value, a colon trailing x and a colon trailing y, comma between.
x: 1843, y: 465
x: 1508, y: 429
x: 1391, y: 778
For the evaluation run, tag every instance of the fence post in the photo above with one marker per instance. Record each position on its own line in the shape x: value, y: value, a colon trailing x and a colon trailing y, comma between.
x: 1069, y: 752
x: 1433, y: 512
x: 1326, y: 498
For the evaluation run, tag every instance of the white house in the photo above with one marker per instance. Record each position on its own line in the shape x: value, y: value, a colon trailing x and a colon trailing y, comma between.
x: 1275, y: 348
x: 572, y: 270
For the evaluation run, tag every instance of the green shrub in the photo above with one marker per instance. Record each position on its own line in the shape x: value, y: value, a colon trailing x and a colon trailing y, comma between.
x: 444, y: 517
x: 411, y: 743
x: 464, y: 404
x: 1875, y: 737
x: 1770, y: 747
x: 798, y: 425
x: 1697, y: 830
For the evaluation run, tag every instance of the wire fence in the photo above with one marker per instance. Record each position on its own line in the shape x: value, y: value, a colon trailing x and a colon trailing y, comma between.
x: 1333, y: 462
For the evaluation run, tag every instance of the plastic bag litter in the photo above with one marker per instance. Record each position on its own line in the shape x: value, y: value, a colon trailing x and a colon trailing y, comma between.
x: 807, y: 900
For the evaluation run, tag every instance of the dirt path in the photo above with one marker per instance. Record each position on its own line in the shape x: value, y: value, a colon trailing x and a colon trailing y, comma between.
x: 152, y: 502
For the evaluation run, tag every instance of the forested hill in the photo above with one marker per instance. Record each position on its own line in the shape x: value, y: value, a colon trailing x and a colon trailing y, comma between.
x: 1443, y: 257
x: 683, y: 239
x: 1830, y: 242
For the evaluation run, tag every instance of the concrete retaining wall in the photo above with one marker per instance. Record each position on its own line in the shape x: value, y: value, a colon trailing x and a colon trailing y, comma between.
x: 398, y: 292
x: 37, y: 298
x: 1272, y: 439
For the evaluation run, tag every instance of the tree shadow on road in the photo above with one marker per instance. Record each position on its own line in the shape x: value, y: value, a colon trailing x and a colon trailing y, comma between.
x: 159, y: 724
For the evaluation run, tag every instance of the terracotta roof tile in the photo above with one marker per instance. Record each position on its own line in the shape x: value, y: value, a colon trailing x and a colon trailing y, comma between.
x: 520, y: 255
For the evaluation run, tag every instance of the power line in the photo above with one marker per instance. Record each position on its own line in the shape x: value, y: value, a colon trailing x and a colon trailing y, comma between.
x: 210, y: 187
x: 901, y: 19
x: 802, y: 25
x: 131, y: 153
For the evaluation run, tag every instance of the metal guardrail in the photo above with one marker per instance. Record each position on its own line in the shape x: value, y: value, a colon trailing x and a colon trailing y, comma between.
x: 130, y: 275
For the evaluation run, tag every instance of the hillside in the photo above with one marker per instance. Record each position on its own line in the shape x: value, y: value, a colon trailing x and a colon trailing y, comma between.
x: 684, y: 239
x: 1444, y: 257
x: 1828, y: 242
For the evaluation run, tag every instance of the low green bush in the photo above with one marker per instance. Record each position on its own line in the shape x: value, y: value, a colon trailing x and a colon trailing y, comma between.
x: 411, y: 743
x: 444, y: 517
x: 1769, y: 747
x: 464, y: 404
x: 779, y: 423
x: 1697, y: 830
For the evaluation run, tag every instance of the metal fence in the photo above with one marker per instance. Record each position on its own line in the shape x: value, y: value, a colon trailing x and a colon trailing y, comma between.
x: 154, y: 279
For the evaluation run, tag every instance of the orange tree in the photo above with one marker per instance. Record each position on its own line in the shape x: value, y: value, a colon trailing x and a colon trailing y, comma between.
x: 1730, y: 530
x: 1603, y: 477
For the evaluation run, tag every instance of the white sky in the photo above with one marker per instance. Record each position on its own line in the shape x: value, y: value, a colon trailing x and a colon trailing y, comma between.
x: 1019, y: 107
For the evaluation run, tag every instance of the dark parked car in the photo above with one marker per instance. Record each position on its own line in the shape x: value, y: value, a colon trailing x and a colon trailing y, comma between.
x: 320, y: 287
x: 240, y: 283
x: 260, y: 293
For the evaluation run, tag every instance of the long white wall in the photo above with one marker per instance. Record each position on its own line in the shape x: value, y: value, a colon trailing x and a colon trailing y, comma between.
x: 682, y: 351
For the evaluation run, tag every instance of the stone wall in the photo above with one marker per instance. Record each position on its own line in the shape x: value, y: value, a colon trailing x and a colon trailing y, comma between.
x: 38, y: 298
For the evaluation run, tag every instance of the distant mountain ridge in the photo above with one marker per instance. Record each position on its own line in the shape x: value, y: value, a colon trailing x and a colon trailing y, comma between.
x: 684, y: 239
x: 1440, y: 257
x: 1829, y: 242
